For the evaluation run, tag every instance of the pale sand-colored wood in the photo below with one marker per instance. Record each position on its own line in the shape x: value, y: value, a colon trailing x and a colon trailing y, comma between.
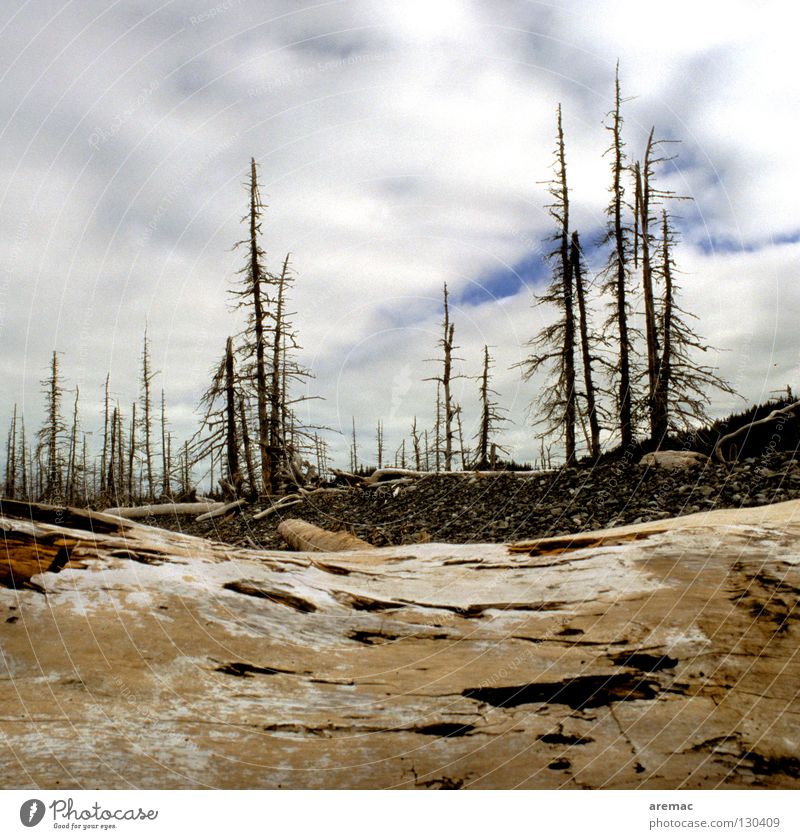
x: 156, y: 660
x: 299, y: 535
x: 669, y: 459
x: 190, y: 508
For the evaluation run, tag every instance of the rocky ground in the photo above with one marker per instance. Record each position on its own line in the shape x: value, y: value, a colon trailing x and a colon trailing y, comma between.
x: 504, y: 508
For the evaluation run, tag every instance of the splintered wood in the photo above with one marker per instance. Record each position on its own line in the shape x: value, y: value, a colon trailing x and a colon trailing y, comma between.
x: 659, y: 657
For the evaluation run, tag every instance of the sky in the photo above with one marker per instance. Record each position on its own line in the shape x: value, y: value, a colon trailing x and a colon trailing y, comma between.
x: 400, y: 146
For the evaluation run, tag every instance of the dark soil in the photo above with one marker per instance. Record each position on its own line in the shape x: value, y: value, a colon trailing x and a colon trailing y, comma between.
x: 504, y: 507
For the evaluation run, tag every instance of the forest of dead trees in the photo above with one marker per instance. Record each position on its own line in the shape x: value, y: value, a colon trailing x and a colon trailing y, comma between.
x: 617, y: 363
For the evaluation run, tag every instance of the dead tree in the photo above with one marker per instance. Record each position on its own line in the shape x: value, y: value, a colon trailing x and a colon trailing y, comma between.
x: 648, y: 198
x: 616, y: 273
x: 491, y: 416
x: 354, y: 450
x: 146, y: 421
x: 166, y: 466
x: 554, y: 346
x: 683, y: 385
x: 445, y: 406
x: 590, y: 409
x: 231, y: 437
x: 11, y: 458
x: 379, y: 443
x: 72, y: 459
x: 218, y: 430
x: 110, y: 483
x: 277, y: 396
x: 25, y: 492
x: 120, y: 452
x: 247, y: 448
x: 104, y: 459
x: 252, y: 295
x: 416, y: 443
x: 132, y: 454
x: 50, y: 435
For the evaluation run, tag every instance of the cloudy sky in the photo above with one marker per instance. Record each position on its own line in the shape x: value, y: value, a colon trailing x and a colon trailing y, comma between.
x: 401, y: 145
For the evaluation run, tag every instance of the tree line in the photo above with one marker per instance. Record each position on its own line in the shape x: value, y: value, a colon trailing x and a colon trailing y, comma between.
x: 611, y: 376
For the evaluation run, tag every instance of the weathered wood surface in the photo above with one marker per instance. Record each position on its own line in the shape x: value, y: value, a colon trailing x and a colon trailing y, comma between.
x: 150, y: 659
x: 299, y: 535
x: 143, y: 511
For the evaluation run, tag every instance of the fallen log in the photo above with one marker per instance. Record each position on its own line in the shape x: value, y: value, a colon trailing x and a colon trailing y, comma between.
x: 222, y: 510
x: 288, y: 501
x: 302, y: 536
x: 787, y: 412
x: 668, y: 661
x: 144, y: 511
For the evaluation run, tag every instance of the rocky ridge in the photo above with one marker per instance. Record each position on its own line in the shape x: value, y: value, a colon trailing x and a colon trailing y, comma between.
x: 505, y: 507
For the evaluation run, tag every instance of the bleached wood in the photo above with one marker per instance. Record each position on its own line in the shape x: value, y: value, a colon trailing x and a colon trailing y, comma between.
x: 149, y: 659
x: 787, y: 412
x: 147, y: 510
x: 222, y: 510
x: 302, y: 536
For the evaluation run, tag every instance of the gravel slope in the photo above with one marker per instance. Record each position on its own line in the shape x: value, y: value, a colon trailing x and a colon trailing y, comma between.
x: 504, y: 507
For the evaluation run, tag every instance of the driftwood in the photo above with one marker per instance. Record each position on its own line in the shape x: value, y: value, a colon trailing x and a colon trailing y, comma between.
x: 387, y: 474
x: 222, y: 509
x: 671, y: 459
x: 302, y: 536
x: 281, y: 504
x: 147, y: 510
x: 787, y: 412
x: 659, y: 656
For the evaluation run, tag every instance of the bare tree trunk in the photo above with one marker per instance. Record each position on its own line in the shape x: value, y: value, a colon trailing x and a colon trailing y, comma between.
x: 447, y: 370
x: 186, y: 475
x: 54, y: 426
x: 567, y: 297
x: 73, y: 453
x: 234, y: 475
x: 437, y: 434
x: 147, y: 376
x: 588, y: 381
x: 120, y: 452
x: 85, y: 475
x: 661, y: 402
x: 625, y: 396
x: 354, y: 450
x: 379, y: 442
x: 462, y: 450
x: 131, y: 453
x: 11, y: 458
x: 483, y: 434
x: 277, y: 400
x: 165, y: 465
x: 415, y: 439
x: 110, y: 483
x: 248, y: 451
x: 24, y: 488
x: 259, y: 319
x: 104, y: 460
x: 651, y: 332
